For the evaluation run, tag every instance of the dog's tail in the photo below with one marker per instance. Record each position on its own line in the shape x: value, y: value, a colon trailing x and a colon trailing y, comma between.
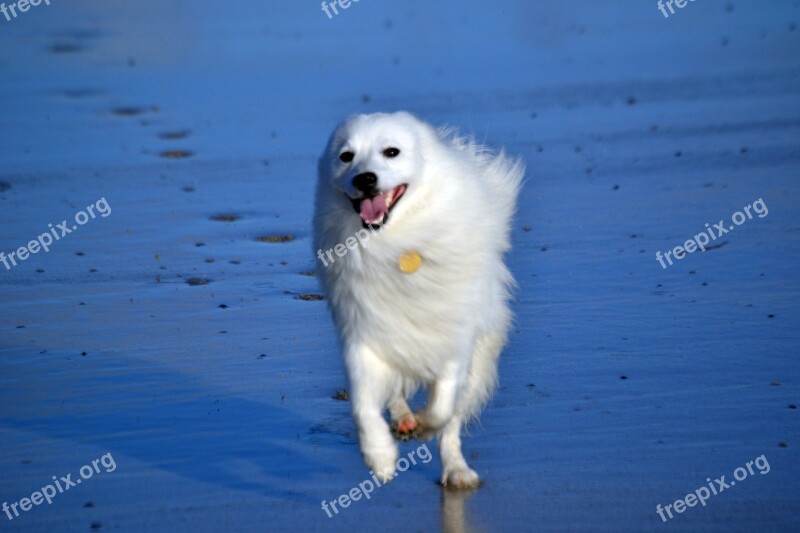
x: 504, y: 174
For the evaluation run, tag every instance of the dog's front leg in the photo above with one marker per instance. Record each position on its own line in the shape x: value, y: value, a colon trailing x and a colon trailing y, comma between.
x: 371, y: 386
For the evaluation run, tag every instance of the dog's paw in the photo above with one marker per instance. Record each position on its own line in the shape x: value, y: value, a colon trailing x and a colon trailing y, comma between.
x: 461, y: 479
x: 382, y: 464
x: 405, y: 428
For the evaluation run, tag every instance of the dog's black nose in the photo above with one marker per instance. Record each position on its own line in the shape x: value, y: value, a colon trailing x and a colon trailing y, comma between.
x: 365, y: 182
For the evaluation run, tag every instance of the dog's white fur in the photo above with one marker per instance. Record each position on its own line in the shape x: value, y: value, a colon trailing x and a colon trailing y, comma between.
x: 443, y: 326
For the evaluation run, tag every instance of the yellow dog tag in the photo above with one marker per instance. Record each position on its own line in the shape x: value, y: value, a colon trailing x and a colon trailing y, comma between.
x: 410, y: 262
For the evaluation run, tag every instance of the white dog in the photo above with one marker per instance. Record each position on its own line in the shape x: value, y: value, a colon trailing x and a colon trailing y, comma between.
x: 423, y: 302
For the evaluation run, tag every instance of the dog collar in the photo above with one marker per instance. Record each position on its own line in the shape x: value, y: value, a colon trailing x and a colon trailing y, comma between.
x: 410, y: 262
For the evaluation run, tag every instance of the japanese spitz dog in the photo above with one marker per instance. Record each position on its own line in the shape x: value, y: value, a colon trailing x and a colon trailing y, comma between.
x: 412, y: 224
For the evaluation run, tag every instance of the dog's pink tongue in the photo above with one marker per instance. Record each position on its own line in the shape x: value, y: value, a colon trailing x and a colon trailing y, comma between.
x: 373, y: 209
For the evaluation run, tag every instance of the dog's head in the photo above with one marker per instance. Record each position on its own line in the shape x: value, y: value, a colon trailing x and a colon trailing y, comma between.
x: 374, y: 162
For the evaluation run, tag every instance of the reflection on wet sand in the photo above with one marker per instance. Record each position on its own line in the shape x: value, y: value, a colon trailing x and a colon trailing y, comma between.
x: 453, y: 512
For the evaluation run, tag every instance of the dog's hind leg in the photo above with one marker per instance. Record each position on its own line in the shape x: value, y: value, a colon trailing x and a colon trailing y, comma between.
x: 482, y: 376
x: 404, y: 423
x: 441, y: 406
x: 456, y: 474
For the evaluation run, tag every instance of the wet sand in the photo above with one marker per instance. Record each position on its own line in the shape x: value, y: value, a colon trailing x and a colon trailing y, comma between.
x: 185, y: 333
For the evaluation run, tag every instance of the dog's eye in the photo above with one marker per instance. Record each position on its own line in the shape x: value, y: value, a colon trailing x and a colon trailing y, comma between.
x: 346, y: 157
x: 391, y: 152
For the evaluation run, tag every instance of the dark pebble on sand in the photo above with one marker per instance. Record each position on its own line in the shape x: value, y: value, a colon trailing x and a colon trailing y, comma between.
x: 65, y: 48
x: 275, y: 238
x: 176, y: 154
x: 128, y: 111
x: 225, y: 217
x: 341, y: 395
x: 309, y: 297
x: 173, y: 135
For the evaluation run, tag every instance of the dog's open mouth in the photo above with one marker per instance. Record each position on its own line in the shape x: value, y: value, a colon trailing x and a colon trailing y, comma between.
x: 374, y: 210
